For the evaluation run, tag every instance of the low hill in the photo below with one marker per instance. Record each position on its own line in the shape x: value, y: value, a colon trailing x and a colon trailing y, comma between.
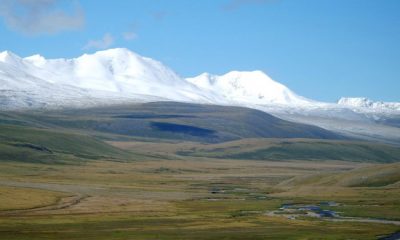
x: 29, y: 144
x: 213, y: 131
x: 297, y: 149
x: 382, y: 175
x: 182, y: 121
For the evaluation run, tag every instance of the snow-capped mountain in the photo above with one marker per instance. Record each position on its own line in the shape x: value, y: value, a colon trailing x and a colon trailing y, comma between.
x: 365, y: 104
x: 119, y: 76
x: 115, y: 75
x: 248, y: 88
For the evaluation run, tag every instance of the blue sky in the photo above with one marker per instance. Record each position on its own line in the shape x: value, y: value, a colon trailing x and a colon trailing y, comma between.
x: 321, y: 49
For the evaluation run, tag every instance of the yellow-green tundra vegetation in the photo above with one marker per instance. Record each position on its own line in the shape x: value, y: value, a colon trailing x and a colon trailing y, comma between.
x: 191, y: 199
x: 69, y: 181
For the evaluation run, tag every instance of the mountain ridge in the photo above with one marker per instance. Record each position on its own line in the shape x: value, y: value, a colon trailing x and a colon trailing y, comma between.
x: 122, y: 75
x: 253, y: 87
x: 366, y: 103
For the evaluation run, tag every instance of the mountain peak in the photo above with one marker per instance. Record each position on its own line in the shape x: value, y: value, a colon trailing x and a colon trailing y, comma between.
x: 117, y: 72
x: 255, y: 73
x: 37, y: 60
x: 125, y: 74
x: 355, y: 101
x: 115, y: 52
x: 253, y: 87
x: 9, y: 57
x: 6, y: 52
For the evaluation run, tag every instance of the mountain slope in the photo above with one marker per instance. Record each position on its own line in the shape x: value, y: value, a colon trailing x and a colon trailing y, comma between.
x: 248, y: 88
x: 369, y: 105
x: 179, y: 121
x: 73, y: 136
x: 296, y: 149
x: 106, y: 77
x: 117, y: 70
x: 31, y: 144
x: 119, y: 76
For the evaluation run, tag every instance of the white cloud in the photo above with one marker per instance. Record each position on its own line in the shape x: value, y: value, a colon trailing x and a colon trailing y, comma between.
x: 103, y: 43
x: 129, y: 36
x: 34, y: 17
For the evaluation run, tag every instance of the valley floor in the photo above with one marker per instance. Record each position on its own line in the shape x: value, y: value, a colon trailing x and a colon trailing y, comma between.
x: 192, y: 198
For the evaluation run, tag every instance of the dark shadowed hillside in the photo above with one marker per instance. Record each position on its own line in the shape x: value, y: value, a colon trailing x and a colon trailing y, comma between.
x: 194, y: 122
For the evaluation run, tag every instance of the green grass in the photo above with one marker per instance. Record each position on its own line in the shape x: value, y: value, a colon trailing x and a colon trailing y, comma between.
x: 195, y: 227
x: 28, y: 144
x: 80, y: 132
x: 189, y: 122
x: 298, y: 149
x: 383, y: 175
x: 13, y: 198
x: 174, y: 197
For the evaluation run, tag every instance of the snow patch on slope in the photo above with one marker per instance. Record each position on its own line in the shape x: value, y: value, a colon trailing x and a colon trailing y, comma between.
x: 369, y: 105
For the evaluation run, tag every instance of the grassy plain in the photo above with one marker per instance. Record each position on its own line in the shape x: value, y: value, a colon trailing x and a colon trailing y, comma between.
x: 192, y: 198
x: 74, y: 175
